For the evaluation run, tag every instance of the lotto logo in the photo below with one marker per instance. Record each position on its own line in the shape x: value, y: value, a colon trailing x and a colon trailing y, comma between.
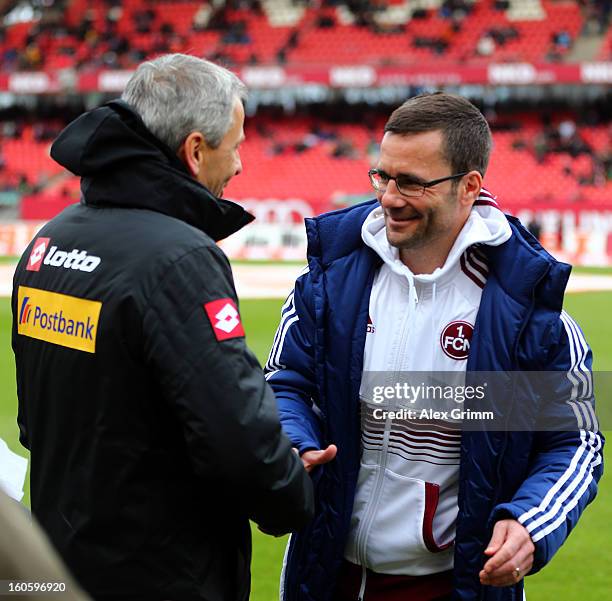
x: 456, y: 338
x: 38, y: 254
x: 224, y: 319
x: 76, y: 259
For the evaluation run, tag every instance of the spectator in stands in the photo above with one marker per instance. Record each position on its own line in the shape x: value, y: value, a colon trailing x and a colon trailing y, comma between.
x: 219, y: 19
x: 32, y: 57
x: 323, y: 133
x: 253, y: 6
x: 372, y: 151
x: 596, y: 176
x: 436, y: 43
x: 143, y: 20
x: 220, y: 56
x: 166, y: 28
x: 344, y: 149
x: 277, y: 148
x: 326, y: 20
x: 501, y: 35
x: 294, y: 39
x: 306, y: 143
x: 534, y: 227
x: 456, y: 9
x: 114, y: 13
x: 84, y: 28
x: 597, y: 16
x: 236, y: 33
x: 485, y: 46
x: 23, y: 187
x: 560, y: 43
x: 570, y: 140
x: 12, y: 129
x: 201, y: 18
x: 562, y: 39
x: 160, y: 43
x: 606, y: 160
x: 281, y: 55
x: 9, y: 58
x: 541, y: 147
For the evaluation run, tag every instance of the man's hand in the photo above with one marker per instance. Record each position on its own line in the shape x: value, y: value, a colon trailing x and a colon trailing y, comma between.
x: 510, y: 548
x: 311, y: 459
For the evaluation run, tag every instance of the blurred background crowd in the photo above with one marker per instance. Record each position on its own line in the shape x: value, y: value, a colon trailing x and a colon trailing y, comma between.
x: 324, y: 75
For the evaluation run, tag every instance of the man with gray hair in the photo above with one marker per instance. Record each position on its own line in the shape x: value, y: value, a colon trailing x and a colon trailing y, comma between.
x: 153, y: 435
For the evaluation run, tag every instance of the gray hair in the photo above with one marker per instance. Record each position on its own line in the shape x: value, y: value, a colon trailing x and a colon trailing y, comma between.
x: 177, y: 94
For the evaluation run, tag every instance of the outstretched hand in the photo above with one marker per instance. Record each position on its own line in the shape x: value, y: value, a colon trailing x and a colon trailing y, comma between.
x: 312, y: 458
x: 510, y: 548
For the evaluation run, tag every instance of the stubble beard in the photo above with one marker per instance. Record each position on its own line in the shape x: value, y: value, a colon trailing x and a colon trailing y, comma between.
x: 420, y: 237
x: 428, y: 230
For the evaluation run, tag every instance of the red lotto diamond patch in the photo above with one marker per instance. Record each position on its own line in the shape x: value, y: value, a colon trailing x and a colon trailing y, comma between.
x: 38, y: 254
x: 224, y: 319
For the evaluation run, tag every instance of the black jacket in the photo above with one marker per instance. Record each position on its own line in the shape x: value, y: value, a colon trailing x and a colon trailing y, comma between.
x: 153, y: 434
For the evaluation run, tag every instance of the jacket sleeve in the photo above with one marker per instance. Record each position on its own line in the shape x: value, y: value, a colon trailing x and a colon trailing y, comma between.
x: 214, y: 384
x: 290, y: 369
x: 566, y: 464
x: 22, y: 421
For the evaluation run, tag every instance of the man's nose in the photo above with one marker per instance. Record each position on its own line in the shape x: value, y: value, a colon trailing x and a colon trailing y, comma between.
x: 391, y: 197
x: 238, y: 167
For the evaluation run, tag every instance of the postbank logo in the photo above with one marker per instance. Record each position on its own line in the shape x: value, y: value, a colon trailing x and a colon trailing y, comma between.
x: 58, y: 318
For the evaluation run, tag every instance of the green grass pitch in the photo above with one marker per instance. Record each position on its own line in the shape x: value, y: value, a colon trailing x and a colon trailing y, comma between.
x: 580, y: 571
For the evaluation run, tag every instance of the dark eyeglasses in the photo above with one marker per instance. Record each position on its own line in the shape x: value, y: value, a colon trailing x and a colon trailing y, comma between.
x: 406, y: 185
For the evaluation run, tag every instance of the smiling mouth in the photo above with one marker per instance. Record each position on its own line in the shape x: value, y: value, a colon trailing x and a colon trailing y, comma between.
x: 401, y: 219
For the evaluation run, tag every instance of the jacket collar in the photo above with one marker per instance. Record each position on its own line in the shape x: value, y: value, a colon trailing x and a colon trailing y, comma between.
x: 525, y: 270
x: 521, y: 265
x: 122, y: 164
x: 338, y: 233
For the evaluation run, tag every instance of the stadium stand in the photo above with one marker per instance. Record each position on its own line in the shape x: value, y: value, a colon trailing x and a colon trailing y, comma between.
x: 120, y: 33
x: 564, y: 158
x: 315, y: 159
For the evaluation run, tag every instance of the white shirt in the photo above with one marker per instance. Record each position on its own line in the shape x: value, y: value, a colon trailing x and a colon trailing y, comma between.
x: 405, y: 508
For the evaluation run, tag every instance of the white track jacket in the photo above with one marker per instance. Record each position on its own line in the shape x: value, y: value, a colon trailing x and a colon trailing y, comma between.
x: 405, y: 508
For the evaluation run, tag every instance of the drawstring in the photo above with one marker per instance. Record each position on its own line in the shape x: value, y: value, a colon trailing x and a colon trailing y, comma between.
x: 432, y: 314
x: 413, y: 299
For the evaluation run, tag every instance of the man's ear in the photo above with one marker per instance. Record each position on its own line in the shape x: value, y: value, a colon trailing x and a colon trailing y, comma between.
x: 470, y: 188
x: 192, y: 152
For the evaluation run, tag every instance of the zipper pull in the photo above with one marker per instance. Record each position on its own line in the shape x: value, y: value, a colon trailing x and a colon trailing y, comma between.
x: 364, y: 573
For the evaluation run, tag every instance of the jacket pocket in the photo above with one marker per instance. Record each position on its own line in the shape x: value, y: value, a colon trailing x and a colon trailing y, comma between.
x: 400, y: 537
x: 432, y: 496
